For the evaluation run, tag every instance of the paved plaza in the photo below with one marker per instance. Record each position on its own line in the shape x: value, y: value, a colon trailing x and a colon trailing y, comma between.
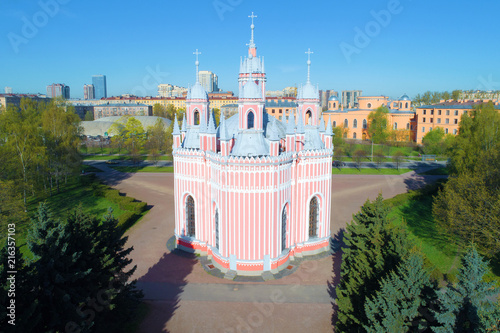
x: 183, y: 297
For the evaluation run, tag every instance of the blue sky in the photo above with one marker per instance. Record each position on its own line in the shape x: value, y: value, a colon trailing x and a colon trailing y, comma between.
x: 420, y: 45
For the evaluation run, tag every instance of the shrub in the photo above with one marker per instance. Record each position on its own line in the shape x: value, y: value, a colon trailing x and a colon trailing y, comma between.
x: 126, y: 220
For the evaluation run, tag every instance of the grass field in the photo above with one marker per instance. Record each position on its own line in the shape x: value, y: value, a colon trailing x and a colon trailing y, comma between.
x: 123, y: 157
x: 143, y: 169
x: 415, y: 210
x: 368, y: 171
x: 71, y: 196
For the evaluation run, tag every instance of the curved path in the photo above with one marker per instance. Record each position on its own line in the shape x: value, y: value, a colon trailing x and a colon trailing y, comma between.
x: 182, y: 297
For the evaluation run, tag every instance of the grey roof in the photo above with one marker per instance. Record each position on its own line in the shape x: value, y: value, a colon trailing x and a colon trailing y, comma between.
x: 232, y: 125
x: 290, y: 128
x: 280, y: 103
x: 251, y: 90
x: 250, y: 143
x: 176, y: 130
x: 307, y: 91
x: 120, y: 105
x: 404, y: 97
x: 192, y: 139
x: 102, y: 125
x: 313, y: 139
x: 333, y: 98
x: 197, y: 92
x: 321, y: 125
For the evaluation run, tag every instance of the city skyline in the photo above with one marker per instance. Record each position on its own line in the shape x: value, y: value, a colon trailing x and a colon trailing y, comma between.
x: 386, y: 47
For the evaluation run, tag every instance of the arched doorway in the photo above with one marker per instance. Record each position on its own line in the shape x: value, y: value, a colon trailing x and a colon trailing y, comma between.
x: 190, y: 216
x: 313, y: 217
x: 309, y: 117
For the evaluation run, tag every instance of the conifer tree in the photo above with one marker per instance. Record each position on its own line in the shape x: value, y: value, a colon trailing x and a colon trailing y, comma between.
x: 468, y: 307
x: 25, y: 302
x: 373, y: 249
x: 403, y: 295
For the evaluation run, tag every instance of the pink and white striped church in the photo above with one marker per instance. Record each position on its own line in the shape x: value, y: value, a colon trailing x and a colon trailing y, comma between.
x: 253, y: 192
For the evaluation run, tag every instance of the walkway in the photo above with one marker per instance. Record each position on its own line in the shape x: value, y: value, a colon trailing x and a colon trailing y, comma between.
x: 183, y: 297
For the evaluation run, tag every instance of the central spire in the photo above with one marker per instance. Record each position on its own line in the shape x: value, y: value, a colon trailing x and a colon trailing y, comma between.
x: 309, y: 52
x: 197, y: 63
x: 251, y: 45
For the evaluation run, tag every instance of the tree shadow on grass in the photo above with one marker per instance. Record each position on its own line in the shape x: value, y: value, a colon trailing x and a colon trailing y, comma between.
x: 163, y: 285
x: 336, y: 245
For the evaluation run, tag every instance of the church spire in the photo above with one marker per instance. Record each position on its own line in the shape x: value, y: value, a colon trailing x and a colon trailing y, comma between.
x: 309, y: 52
x: 252, y: 26
x: 197, y: 63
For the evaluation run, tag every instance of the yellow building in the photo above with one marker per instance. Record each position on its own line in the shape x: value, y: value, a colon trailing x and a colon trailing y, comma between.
x: 355, y: 120
x: 446, y: 115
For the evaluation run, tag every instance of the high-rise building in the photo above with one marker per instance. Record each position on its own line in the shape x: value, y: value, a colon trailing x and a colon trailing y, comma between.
x: 209, y: 81
x: 58, y: 89
x: 99, y: 82
x: 350, y: 98
x: 8, y: 90
x: 170, y: 90
x: 88, y: 91
x: 324, y: 96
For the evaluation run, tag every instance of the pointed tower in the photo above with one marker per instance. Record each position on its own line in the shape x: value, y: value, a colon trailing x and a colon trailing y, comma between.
x: 177, y: 134
x: 183, y: 128
x: 308, y: 98
x: 290, y: 133
x: 300, y: 136
x: 196, y: 100
x: 224, y: 137
x: 252, y: 65
x: 211, y: 134
x: 328, y: 136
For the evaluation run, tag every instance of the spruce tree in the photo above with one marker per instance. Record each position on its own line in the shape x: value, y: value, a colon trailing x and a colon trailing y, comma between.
x: 372, y: 249
x: 403, y: 295
x: 61, y: 273
x: 468, y: 307
x: 25, y: 302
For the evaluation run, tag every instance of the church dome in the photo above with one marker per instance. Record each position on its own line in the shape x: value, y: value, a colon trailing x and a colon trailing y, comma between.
x: 308, y: 91
x: 404, y: 98
x: 197, y: 92
x: 251, y: 90
x: 333, y: 98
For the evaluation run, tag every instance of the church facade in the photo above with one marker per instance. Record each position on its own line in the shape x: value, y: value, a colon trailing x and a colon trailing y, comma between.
x: 253, y: 192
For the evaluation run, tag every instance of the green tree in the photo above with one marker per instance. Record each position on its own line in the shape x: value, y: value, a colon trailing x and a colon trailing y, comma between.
x: 216, y: 112
x: 379, y: 157
x: 433, y: 142
x: 397, y: 158
x: 159, y: 110
x: 358, y: 156
x: 26, y: 316
x: 468, y: 307
x: 22, y: 139
x: 402, y: 298
x: 89, y: 116
x: 338, y: 154
x: 378, y: 125
x: 373, y: 247
x: 455, y: 94
x: 61, y: 135
x: 81, y: 267
x: 478, y: 135
x: 468, y: 206
x: 157, y: 139
x: 338, y: 136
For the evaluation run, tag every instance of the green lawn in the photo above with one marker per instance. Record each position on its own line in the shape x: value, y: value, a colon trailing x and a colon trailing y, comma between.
x: 71, y: 195
x: 415, y: 210
x: 368, y: 171
x: 143, y: 169
x: 98, y: 157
